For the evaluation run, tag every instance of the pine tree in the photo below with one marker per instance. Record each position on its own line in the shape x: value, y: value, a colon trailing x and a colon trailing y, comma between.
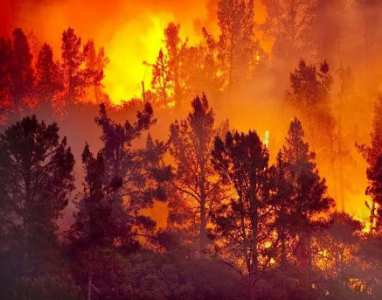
x: 5, y: 55
x: 76, y: 77
x: 98, y: 232
x: 243, y: 224
x: 142, y: 171
x: 289, y: 24
x: 310, y: 200
x: 119, y: 183
x: 310, y: 99
x: 162, y: 81
x: 200, y: 72
x: 96, y: 62
x: 237, y: 48
x: 374, y: 190
x: 36, y: 180
x: 176, y: 49
x: 34, y: 45
x: 48, y: 74
x: 94, y: 223
x: 282, y: 202
x: 21, y: 71
x: 191, y: 143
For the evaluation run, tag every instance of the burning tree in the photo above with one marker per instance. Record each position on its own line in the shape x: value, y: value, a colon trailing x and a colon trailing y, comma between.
x: 76, y: 77
x: 48, y: 73
x: 237, y: 49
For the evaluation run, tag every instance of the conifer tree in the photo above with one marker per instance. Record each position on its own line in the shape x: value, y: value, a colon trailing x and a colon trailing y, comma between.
x: 200, y: 73
x: 48, y: 76
x: 76, y: 76
x: 374, y: 190
x: 243, y: 225
x: 21, y: 73
x: 162, y: 81
x: 309, y: 198
x: 5, y: 54
x: 191, y: 144
x: 36, y: 180
x: 119, y: 183
x: 282, y: 202
x: 142, y: 171
x: 237, y: 49
x: 94, y: 223
x: 176, y: 49
x: 96, y: 61
x: 327, y: 30
x: 288, y: 23
x: 309, y: 97
x: 344, y: 143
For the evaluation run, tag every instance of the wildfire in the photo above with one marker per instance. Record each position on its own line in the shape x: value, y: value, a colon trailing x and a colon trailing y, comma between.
x: 135, y: 42
x: 266, y: 139
x: 134, y: 33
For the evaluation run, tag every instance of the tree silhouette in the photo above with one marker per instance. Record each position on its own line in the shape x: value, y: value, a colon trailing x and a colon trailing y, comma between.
x: 176, y: 50
x: 242, y: 225
x: 49, y: 77
x: 310, y: 199
x: 5, y: 54
x: 96, y: 62
x: 76, y: 77
x: 21, y: 72
x: 309, y: 97
x: 237, y: 48
x: 191, y: 144
x: 162, y: 81
x: 142, y: 171
x: 36, y: 181
x: 282, y: 201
